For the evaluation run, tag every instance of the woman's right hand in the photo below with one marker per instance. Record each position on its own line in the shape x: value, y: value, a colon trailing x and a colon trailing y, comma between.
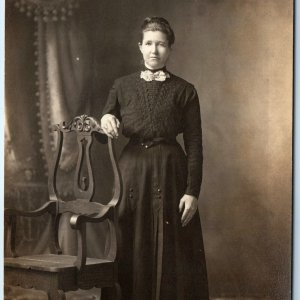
x: 110, y: 125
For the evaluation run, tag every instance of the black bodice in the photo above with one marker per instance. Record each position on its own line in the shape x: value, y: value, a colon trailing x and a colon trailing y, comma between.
x: 151, y: 109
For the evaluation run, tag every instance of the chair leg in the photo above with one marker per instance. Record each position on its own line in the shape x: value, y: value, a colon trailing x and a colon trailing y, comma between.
x: 56, y: 295
x: 111, y: 293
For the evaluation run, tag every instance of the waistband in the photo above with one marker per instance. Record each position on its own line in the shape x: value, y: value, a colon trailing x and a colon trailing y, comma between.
x: 148, y: 143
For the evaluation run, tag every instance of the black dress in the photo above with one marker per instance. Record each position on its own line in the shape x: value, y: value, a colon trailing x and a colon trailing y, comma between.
x: 159, y: 259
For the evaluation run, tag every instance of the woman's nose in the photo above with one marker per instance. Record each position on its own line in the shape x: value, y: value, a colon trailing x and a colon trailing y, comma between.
x: 154, y: 48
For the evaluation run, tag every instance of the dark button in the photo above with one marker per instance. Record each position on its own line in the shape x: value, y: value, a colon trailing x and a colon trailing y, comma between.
x: 159, y: 197
x: 131, y: 190
x: 159, y: 190
x: 167, y: 222
x: 146, y: 146
x: 142, y: 144
x: 130, y: 196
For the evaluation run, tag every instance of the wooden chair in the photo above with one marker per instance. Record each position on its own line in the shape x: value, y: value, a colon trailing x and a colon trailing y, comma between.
x: 57, y: 273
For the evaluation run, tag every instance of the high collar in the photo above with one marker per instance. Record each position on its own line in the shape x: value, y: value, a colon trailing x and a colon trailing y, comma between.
x: 144, y: 68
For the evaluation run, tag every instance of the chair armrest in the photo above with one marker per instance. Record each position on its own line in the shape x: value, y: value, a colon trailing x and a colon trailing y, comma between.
x: 11, y: 217
x: 49, y: 207
x: 105, y: 212
x: 78, y: 222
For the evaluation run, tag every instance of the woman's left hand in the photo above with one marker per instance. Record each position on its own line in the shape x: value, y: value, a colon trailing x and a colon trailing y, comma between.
x: 190, y: 205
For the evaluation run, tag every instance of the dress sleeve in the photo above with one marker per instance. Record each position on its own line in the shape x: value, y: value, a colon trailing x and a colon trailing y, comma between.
x: 192, y: 136
x: 112, y: 105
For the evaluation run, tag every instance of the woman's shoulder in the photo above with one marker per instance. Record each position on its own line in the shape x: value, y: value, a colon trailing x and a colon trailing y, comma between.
x: 127, y: 78
x: 182, y: 82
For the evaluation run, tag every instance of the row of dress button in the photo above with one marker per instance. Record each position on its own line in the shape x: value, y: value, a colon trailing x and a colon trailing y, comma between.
x: 131, y: 193
x: 158, y: 195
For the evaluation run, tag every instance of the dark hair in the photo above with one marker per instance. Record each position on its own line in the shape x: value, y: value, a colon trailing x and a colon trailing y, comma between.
x: 158, y: 24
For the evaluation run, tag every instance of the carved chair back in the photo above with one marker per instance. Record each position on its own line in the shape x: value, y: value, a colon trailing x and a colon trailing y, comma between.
x: 84, y: 187
x: 86, y: 129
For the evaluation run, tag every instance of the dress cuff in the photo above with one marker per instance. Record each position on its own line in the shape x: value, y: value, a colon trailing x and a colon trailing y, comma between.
x: 192, y: 192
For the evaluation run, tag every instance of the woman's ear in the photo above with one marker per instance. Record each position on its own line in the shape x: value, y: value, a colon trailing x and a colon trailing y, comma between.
x: 140, y: 46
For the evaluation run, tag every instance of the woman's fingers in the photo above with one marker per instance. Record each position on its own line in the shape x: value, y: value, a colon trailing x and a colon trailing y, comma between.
x: 181, y: 205
x: 114, y: 128
x: 187, y: 216
x: 190, y: 207
x: 108, y: 130
x: 110, y: 125
x: 188, y: 219
x: 107, y: 133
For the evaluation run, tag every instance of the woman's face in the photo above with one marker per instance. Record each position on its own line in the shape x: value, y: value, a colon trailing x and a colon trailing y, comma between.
x: 155, y: 49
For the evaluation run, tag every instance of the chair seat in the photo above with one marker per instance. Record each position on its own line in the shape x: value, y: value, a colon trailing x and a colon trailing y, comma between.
x: 47, y: 271
x: 50, y: 262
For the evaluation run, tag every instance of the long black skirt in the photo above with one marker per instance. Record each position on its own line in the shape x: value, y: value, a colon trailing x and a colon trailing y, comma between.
x: 159, y: 259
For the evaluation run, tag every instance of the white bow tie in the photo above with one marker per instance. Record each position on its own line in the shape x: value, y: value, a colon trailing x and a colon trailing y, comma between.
x: 158, y: 76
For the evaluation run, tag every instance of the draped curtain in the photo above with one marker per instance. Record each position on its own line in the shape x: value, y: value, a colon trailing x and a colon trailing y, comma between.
x: 48, y: 79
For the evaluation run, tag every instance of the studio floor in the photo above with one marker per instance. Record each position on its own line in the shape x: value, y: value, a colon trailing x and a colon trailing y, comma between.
x: 22, y: 294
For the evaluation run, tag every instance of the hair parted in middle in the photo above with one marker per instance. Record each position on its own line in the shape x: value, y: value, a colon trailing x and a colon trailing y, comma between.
x: 158, y: 24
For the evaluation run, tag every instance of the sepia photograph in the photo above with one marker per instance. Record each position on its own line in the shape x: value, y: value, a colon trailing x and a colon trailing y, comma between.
x: 148, y: 149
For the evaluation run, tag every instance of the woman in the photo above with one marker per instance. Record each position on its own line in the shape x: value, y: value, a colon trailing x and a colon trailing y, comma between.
x: 162, y: 255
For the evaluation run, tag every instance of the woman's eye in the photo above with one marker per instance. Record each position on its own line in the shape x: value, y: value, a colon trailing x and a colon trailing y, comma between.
x: 148, y: 43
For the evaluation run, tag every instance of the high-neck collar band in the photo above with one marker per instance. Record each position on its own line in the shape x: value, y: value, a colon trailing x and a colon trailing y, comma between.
x: 144, y: 68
